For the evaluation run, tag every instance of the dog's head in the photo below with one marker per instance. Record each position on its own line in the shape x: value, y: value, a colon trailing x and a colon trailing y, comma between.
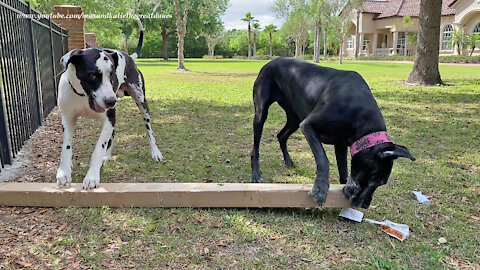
x: 93, y: 72
x: 371, y: 168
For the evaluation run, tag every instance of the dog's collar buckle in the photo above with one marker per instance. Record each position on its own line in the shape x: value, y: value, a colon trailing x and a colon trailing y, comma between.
x: 75, y: 91
x: 369, y: 140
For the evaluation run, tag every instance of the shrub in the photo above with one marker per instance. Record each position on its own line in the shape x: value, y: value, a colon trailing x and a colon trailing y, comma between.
x: 261, y: 57
x: 212, y: 57
x: 306, y: 57
x: 442, y: 58
x: 239, y: 57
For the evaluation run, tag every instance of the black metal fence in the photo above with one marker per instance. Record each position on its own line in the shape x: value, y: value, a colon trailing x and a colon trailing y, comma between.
x: 31, y: 46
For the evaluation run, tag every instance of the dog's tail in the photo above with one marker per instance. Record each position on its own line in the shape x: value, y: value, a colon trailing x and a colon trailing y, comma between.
x: 140, y: 41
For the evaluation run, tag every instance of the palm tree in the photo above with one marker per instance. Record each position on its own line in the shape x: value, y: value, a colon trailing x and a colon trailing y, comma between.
x: 474, y: 41
x: 406, y: 23
x: 248, y: 18
x: 460, y: 39
x: 256, y: 28
x: 270, y: 29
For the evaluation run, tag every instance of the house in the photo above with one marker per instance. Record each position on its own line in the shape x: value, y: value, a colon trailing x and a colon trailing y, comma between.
x: 382, y: 29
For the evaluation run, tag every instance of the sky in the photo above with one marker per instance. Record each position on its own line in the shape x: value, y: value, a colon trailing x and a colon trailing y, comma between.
x: 260, y: 10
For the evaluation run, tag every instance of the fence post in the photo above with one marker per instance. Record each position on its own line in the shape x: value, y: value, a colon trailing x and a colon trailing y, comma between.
x: 5, y: 156
x: 61, y: 35
x: 34, y: 64
x: 53, y: 60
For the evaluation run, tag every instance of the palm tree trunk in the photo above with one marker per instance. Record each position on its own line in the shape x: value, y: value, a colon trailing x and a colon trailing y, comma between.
x: 425, y: 69
x: 254, y: 44
x: 316, y: 48
x: 249, y: 42
x: 271, y: 45
x: 325, y: 41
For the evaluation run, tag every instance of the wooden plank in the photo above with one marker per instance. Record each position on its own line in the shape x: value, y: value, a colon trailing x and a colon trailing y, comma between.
x: 168, y: 195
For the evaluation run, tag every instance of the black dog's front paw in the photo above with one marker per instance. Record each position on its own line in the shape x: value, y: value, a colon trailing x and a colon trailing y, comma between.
x: 319, y: 194
x: 256, y: 178
x: 290, y: 164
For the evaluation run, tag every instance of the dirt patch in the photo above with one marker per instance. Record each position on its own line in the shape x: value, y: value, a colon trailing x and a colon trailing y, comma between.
x: 38, y: 160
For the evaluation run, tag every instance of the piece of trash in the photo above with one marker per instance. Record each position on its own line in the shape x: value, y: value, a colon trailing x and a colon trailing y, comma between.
x: 420, y: 197
x: 396, y: 230
x: 351, y: 214
x: 442, y: 240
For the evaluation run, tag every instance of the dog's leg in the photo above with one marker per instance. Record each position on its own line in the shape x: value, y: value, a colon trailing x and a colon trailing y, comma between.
x: 139, y: 98
x: 261, y: 113
x: 341, y: 156
x: 111, y: 115
x: 321, y: 186
x: 64, y: 172
x: 92, y: 179
x: 291, y: 126
x: 108, y: 153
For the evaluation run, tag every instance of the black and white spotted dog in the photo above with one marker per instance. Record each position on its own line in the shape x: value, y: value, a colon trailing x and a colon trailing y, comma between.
x: 89, y: 87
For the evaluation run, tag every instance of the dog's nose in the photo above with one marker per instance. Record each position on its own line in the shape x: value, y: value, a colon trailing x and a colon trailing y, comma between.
x: 110, y: 102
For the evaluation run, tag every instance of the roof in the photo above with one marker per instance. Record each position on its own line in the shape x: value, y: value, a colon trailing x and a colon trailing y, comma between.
x: 400, y: 8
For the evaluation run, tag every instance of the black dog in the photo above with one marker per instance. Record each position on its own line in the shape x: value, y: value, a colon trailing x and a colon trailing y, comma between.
x: 333, y: 107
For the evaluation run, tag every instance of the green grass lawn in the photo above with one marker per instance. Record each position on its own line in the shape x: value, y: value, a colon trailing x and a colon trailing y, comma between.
x: 203, y: 125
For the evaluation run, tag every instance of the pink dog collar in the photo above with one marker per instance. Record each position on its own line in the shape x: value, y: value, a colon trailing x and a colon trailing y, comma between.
x: 369, y: 140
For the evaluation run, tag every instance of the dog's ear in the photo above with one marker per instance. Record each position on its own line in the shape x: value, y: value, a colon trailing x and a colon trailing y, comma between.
x: 398, y: 151
x: 71, y: 57
x: 114, y: 57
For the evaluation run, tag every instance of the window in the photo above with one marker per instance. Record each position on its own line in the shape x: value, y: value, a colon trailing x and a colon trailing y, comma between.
x: 366, y: 40
x: 401, y: 40
x: 350, y: 42
x: 476, y: 30
x: 386, y: 41
x: 446, y: 36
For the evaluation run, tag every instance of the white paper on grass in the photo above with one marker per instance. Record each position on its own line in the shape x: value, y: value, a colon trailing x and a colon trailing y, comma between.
x: 402, y: 228
x: 351, y: 214
x: 420, y: 197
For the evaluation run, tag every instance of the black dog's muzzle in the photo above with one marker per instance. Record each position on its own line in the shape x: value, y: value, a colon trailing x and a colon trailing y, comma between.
x: 359, y: 197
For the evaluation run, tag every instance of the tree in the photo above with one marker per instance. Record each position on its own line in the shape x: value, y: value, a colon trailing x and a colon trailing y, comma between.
x: 460, y: 40
x: 344, y: 21
x: 425, y: 69
x: 473, y: 41
x: 407, y: 22
x: 256, y: 28
x: 412, y: 39
x: 297, y: 26
x: 127, y: 28
x: 213, y: 35
x: 167, y: 27
x: 270, y: 29
x: 181, y: 30
x: 212, y: 41
x: 318, y: 12
x: 248, y: 18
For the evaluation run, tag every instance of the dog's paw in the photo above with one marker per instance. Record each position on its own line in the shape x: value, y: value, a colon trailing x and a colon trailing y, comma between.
x: 156, y: 155
x: 256, y: 178
x: 91, y: 181
x: 290, y: 164
x: 64, y: 177
x: 319, y: 194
